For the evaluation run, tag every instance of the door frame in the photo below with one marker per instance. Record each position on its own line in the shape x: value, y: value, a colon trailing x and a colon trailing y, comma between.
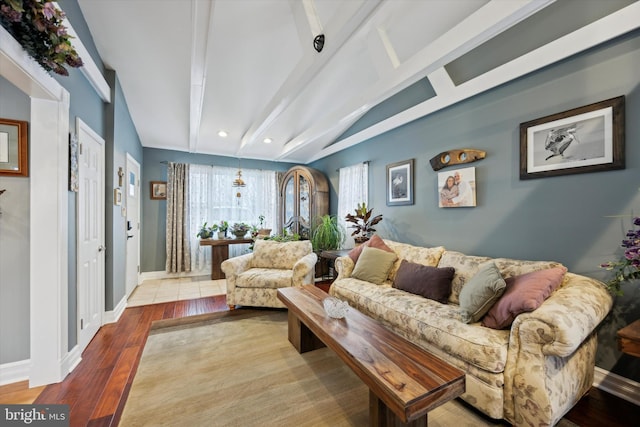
x: 130, y: 158
x: 82, y: 126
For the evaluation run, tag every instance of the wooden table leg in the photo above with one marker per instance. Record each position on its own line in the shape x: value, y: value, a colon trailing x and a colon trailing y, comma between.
x: 381, y: 416
x: 218, y: 254
x: 301, y: 337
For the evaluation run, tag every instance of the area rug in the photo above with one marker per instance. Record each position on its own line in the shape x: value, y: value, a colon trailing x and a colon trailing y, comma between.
x: 241, y: 370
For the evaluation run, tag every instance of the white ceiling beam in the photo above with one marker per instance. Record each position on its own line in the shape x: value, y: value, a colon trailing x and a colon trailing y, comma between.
x: 441, y: 81
x: 591, y: 35
x: 338, y: 32
x: 488, y: 21
x: 201, y: 19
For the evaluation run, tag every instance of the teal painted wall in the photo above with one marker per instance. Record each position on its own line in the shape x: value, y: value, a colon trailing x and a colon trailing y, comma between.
x: 14, y: 242
x: 154, y: 212
x: 578, y: 220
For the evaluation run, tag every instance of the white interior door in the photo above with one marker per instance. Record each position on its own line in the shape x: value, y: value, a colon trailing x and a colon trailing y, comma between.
x: 132, y: 191
x: 91, y: 249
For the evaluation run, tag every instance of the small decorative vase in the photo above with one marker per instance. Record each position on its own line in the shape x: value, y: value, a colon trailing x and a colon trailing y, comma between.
x: 222, y: 235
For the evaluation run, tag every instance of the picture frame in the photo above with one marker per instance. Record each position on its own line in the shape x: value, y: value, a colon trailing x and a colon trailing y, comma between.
x: 117, y: 196
x: 14, y: 150
x: 580, y: 140
x: 74, y: 183
x: 457, y: 188
x: 400, y: 183
x: 158, y: 190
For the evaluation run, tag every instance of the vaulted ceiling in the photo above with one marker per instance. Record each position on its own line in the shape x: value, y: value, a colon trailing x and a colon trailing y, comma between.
x: 191, y: 69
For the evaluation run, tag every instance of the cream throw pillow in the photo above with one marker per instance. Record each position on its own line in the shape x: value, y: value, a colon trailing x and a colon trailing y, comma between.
x: 373, y: 265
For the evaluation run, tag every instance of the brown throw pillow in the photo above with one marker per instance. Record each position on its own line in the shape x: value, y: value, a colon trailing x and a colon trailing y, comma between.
x: 522, y: 294
x: 430, y: 282
x: 373, y: 242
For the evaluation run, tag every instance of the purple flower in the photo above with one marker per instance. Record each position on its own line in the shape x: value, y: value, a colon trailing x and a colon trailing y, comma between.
x: 48, y: 10
x: 636, y: 220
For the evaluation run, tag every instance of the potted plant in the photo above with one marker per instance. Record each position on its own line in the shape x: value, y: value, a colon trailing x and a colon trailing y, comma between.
x: 628, y: 267
x: 363, y: 223
x: 239, y: 229
x: 327, y: 234
x: 222, y: 229
x: 205, y: 232
x: 261, y: 230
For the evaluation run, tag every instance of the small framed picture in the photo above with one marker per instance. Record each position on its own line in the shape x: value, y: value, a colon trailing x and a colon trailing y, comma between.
x: 585, y: 139
x: 457, y: 188
x: 14, y: 153
x: 158, y: 190
x: 400, y: 183
x: 117, y: 196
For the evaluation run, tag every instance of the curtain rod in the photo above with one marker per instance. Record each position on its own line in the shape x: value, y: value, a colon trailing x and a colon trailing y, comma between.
x: 366, y: 162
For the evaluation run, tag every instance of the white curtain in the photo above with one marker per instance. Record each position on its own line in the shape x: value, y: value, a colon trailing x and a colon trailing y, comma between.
x: 213, y: 199
x: 353, y: 188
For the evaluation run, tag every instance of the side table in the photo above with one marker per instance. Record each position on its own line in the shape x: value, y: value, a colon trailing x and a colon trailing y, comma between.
x: 629, y: 339
x: 220, y: 252
x: 330, y: 257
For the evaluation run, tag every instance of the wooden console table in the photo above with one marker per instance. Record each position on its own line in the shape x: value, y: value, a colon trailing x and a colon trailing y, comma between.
x: 220, y: 252
x: 405, y: 382
x: 629, y: 339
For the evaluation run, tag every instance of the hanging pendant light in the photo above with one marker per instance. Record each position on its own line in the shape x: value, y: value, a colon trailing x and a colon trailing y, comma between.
x: 239, y: 182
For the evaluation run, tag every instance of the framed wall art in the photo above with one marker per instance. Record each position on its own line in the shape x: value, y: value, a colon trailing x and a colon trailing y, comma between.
x: 14, y: 151
x: 584, y: 139
x: 158, y: 190
x: 457, y: 188
x: 400, y: 183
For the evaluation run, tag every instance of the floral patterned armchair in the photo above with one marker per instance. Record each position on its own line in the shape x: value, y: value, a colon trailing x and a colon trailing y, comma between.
x: 253, y: 279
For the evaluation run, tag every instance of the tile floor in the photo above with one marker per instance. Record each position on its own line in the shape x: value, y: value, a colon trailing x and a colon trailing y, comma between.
x: 154, y: 291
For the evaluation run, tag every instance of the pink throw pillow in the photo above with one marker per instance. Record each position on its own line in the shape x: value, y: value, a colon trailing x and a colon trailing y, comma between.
x: 523, y: 293
x: 373, y: 242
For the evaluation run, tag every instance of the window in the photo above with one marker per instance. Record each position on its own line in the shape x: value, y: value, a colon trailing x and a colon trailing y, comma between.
x: 353, y: 189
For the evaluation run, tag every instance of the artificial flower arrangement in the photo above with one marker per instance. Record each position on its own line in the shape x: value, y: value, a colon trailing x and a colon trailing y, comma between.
x: 628, y: 268
x: 37, y: 26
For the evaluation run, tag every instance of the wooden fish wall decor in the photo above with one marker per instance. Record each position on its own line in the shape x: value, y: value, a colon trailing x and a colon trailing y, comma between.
x: 456, y: 157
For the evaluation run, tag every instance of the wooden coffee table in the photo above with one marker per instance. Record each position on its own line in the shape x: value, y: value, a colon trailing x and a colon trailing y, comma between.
x: 405, y: 382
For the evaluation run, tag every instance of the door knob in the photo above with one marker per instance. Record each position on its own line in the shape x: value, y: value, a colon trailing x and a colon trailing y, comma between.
x: 102, y: 248
x: 129, y: 236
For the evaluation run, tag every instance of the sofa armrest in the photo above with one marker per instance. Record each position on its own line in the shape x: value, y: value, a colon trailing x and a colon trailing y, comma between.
x: 304, y: 270
x: 234, y: 266
x: 344, y: 266
x: 566, y: 319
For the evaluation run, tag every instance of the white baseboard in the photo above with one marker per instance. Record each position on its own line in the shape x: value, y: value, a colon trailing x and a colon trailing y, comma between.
x: 617, y: 385
x: 113, y: 315
x: 71, y: 360
x: 14, y: 372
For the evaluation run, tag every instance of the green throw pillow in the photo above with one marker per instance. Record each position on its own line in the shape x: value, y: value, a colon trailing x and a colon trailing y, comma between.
x: 373, y: 265
x: 481, y: 292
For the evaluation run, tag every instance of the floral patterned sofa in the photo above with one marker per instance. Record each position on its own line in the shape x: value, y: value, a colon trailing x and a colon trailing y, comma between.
x: 253, y: 279
x: 529, y: 374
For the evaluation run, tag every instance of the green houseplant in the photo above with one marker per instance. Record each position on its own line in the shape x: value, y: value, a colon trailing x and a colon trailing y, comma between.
x: 206, y: 232
x: 239, y: 229
x: 628, y: 267
x: 327, y: 234
x: 363, y: 223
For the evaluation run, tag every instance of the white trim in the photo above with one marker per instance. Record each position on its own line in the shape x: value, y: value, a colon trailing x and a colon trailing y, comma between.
x: 14, y: 372
x: 617, y: 385
x: 48, y: 245
x: 113, y: 316
x: 90, y: 69
x: 72, y: 359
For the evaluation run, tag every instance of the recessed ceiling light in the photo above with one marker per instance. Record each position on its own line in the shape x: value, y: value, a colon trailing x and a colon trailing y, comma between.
x: 222, y: 133
x: 267, y: 140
